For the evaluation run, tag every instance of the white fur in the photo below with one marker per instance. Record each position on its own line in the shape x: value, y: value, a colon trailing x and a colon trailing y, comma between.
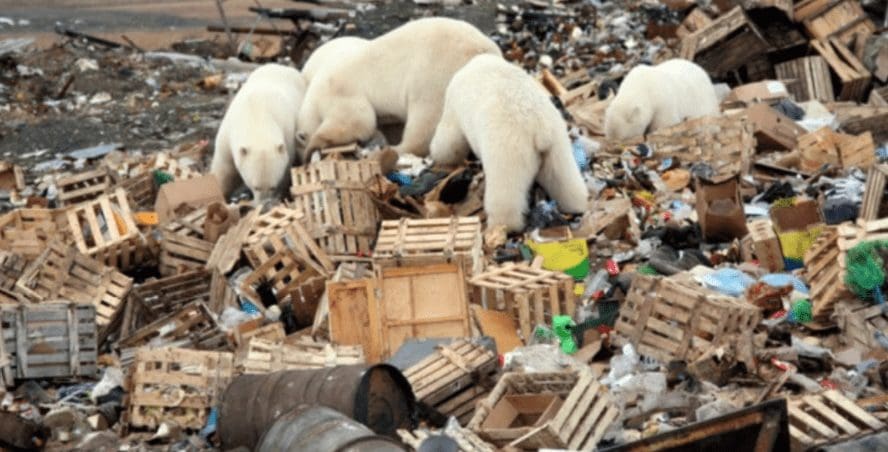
x: 331, y: 53
x: 654, y: 97
x: 402, y: 74
x: 256, y: 139
x: 507, y: 119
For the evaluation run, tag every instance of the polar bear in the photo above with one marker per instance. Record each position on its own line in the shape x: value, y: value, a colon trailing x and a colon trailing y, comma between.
x: 402, y: 74
x: 256, y: 139
x: 331, y: 52
x: 502, y: 114
x: 654, y: 97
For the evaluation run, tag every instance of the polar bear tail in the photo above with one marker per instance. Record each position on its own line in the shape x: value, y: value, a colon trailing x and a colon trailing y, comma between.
x: 561, y: 178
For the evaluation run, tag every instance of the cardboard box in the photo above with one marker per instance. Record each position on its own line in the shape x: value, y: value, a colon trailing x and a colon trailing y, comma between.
x: 193, y: 193
x: 766, y: 91
x: 797, y: 227
x: 522, y: 410
x: 763, y: 245
x: 773, y: 130
x: 720, y: 209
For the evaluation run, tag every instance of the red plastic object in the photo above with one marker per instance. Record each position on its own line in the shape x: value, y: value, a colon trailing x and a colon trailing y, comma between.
x: 613, y: 268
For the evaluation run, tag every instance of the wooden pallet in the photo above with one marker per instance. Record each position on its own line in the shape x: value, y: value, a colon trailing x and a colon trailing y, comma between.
x: 193, y: 326
x: 725, y: 44
x: 853, y: 75
x: 27, y: 231
x: 452, y: 378
x: 62, y: 273
x: 340, y: 213
x: 262, y: 357
x: 182, y: 245
x: 727, y: 143
x: 292, y: 280
x: 668, y: 320
x: 532, y: 296
x: 140, y: 188
x: 859, y: 324
x: 466, y: 439
x: 436, y: 240
x: 579, y: 421
x: 873, y: 192
x: 281, y: 229
x: 50, y: 340
x: 763, y: 245
x: 843, y: 20
x: 828, y: 417
x: 824, y: 275
x: 83, y: 187
x: 174, y: 384
x: 806, y: 78
x: 106, y: 230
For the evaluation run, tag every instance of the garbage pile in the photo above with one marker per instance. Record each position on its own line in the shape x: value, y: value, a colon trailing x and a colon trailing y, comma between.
x: 727, y: 284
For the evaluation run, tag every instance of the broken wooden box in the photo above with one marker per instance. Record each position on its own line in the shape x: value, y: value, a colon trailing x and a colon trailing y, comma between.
x: 829, y: 417
x: 82, y: 187
x: 726, y: 44
x: 262, y: 357
x: 762, y: 244
x: 106, y: 230
x: 429, y: 241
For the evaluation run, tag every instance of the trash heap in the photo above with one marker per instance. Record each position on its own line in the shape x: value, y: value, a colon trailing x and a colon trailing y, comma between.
x: 727, y: 283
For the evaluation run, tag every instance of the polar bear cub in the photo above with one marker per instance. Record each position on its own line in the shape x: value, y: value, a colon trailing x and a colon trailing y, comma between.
x: 256, y: 139
x: 507, y: 119
x: 402, y: 74
x: 654, y: 97
x: 330, y: 53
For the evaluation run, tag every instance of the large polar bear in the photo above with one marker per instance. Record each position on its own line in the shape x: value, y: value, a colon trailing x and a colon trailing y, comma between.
x: 330, y: 53
x: 507, y: 119
x: 402, y: 74
x: 256, y: 139
x: 654, y: 97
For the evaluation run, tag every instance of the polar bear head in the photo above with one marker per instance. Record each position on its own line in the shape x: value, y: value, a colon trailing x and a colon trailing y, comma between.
x: 626, y: 118
x: 262, y: 159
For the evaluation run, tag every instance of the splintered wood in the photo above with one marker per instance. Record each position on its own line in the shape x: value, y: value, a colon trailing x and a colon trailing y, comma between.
x: 452, y: 378
x: 824, y: 275
x: 467, y: 440
x: 668, y: 320
x: 174, y: 384
x: 725, y: 44
x: 437, y: 240
x: 807, y: 79
x: 726, y: 143
x: 26, y: 231
x: 182, y: 245
x: 50, y: 340
x: 105, y: 229
x: 262, y: 357
x: 532, y: 296
x: 861, y: 325
x: 340, y: 213
x: 873, y: 193
x: 828, y: 417
x: 62, y: 273
x: 576, y: 415
x: 82, y: 187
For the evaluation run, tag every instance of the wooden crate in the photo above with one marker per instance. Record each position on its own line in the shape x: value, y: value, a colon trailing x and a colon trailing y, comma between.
x: 106, y: 230
x: 11, y: 267
x: 62, y: 273
x: 292, y: 281
x: 280, y: 229
x: 843, y: 20
x: 50, y: 340
x: 668, y: 320
x: 532, y: 296
x: 452, y: 379
x: 695, y: 20
x: 175, y: 384
x: 763, y: 245
x: 860, y: 323
x: 858, y: 119
x: 83, y: 187
x: 806, y: 78
x: 193, y: 326
x: 349, y: 305
x: 726, y: 143
x: 829, y: 417
x: 141, y: 190
x: 247, y: 331
x: 436, y: 240
x: 12, y: 177
x: 853, y: 76
x: 340, y: 213
x: 873, y: 192
x: 824, y: 275
x: 585, y: 413
x: 824, y: 146
x: 27, y: 231
x: 726, y: 44
x: 182, y: 245
x: 466, y: 439
x: 262, y: 357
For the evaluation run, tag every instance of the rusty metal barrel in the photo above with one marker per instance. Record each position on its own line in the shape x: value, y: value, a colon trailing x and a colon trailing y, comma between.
x: 322, y: 428
x: 377, y: 396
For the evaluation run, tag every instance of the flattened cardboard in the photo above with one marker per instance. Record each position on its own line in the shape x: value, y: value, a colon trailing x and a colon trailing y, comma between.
x: 764, y: 91
x: 194, y: 193
x: 720, y: 209
x: 500, y: 326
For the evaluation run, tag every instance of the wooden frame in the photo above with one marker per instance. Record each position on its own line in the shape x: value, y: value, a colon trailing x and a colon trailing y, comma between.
x: 806, y: 78
x: 192, y: 326
x: 12, y: 177
x: 262, y: 357
x: 106, y: 230
x: 764, y: 244
x: 182, y: 245
x: 140, y: 188
x: 280, y: 229
x: 436, y: 240
x: 83, y: 187
x: 824, y: 275
x: 853, y: 75
x: 828, y: 417
x: 291, y: 278
x: 844, y: 20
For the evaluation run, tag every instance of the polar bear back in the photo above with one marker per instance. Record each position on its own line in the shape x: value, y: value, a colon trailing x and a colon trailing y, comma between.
x: 330, y: 53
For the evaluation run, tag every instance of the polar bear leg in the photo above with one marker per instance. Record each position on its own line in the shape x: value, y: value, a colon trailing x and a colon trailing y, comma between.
x: 561, y: 178
x: 421, y: 121
x: 449, y: 145
x: 508, y: 176
x: 223, y: 167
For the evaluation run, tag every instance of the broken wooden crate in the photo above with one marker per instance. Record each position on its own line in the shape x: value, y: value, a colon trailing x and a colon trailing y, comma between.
x: 106, y: 230
x: 843, y: 20
x: 175, y: 384
x: 725, y: 44
x: 466, y: 439
x: 825, y: 146
x: 567, y: 410
x: 63, y: 273
x: 141, y: 189
x: 531, y: 296
x: 12, y: 177
x: 82, y: 187
x: 824, y: 275
x: 50, y: 340
x: 452, y: 379
x: 427, y: 241
x: 290, y: 281
x: 762, y: 244
x: 727, y: 143
x: 873, y: 193
x: 807, y: 78
x: 860, y: 324
x: 349, y: 306
x: 193, y: 326
x: 853, y: 76
x: 11, y: 268
x: 282, y: 229
x: 253, y: 329
x: 262, y: 356
x: 819, y: 419
x: 182, y: 245
x: 668, y: 320
x: 26, y: 231
x: 340, y: 213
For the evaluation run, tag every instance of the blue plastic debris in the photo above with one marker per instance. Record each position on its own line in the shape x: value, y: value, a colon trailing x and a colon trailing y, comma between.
x: 399, y: 178
x: 579, y: 154
x: 212, y: 422
x: 728, y: 281
x: 249, y: 308
x: 784, y: 279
